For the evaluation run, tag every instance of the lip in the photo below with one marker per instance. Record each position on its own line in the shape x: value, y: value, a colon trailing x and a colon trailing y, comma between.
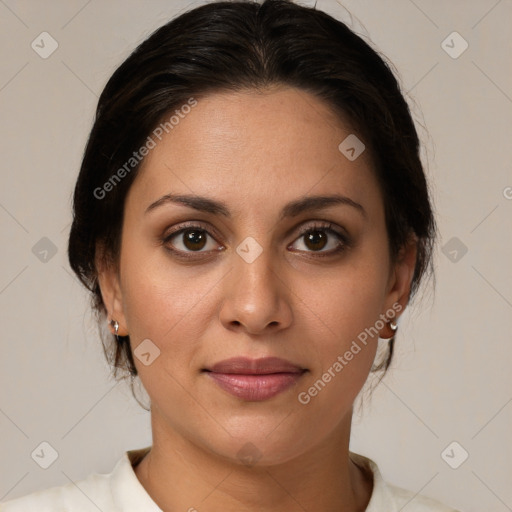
x: 255, y: 379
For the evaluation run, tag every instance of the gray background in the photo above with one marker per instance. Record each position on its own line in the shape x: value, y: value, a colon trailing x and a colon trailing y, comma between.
x: 451, y: 379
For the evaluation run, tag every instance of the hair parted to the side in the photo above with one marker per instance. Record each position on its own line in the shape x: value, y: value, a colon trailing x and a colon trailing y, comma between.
x: 239, y: 45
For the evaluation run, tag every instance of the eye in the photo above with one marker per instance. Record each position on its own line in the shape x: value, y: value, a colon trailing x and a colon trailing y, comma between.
x: 194, y: 239
x: 191, y: 238
x: 321, y: 238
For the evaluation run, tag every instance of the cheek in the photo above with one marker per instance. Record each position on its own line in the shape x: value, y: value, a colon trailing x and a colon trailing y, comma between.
x: 163, y: 302
x: 346, y: 310
x: 342, y: 359
x: 347, y: 319
x: 164, y: 308
x: 346, y: 301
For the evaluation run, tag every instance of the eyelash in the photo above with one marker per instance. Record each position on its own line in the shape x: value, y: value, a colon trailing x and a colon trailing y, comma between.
x: 344, y: 241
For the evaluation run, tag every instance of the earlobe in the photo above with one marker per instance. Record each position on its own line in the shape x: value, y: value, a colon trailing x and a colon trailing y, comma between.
x: 400, y: 287
x: 405, y: 270
x: 111, y: 293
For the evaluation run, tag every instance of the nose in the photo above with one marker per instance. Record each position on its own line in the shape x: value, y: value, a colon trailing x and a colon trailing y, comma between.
x: 256, y: 298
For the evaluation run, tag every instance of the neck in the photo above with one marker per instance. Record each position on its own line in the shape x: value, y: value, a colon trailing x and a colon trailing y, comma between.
x: 179, y: 475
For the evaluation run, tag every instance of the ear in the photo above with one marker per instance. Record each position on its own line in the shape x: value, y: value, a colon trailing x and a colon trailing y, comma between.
x: 109, y: 283
x: 399, y: 284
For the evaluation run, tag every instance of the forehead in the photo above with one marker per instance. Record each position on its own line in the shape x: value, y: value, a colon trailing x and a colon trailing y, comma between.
x: 254, y: 146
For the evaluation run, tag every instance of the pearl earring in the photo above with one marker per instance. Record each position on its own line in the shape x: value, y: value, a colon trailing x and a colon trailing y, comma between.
x: 115, y: 325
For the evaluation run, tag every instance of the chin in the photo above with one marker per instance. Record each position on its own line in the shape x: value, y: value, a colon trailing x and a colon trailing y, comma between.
x: 266, y: 442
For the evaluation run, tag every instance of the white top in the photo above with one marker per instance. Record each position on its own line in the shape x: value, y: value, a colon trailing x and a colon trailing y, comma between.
x: 121, y: 491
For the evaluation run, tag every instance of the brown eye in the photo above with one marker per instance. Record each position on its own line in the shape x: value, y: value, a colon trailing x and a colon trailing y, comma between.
x: 321, y: 239
x: 191, y: 239
x: 315, y: 240
x: 194, y: 239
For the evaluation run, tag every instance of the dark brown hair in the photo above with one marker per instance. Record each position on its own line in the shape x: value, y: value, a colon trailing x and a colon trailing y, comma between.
x: 230, y: 46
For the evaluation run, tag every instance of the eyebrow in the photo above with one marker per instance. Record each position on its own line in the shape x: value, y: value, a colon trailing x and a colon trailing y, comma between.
x: 292, y: 209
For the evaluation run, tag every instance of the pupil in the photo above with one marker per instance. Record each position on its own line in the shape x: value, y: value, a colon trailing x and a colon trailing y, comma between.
x: 314, y: 238
x: 194, y: 239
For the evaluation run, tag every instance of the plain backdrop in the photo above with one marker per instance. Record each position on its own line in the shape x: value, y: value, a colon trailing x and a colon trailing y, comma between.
x: 451, y: 379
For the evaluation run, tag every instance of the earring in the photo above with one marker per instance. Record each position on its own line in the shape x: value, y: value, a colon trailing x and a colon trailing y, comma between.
x: 389, y: 331
x: 115, y: 325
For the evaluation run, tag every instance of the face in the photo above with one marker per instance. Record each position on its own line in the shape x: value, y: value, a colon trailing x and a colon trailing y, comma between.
x: 257, y: 268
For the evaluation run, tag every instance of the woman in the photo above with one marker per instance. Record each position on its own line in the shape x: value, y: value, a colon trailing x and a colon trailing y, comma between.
x: 251, y: 216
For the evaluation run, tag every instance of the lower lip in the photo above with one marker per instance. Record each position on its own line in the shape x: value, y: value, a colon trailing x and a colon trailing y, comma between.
x: 255, y: 387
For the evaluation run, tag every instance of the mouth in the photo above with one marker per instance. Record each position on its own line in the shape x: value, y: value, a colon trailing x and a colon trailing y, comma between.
x: 255, y: 379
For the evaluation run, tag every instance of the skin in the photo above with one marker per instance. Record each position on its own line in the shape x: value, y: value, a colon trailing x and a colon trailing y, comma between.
x: 255, y: 151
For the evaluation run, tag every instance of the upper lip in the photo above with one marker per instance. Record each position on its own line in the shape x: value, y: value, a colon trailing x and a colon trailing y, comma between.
x: 262, y: 366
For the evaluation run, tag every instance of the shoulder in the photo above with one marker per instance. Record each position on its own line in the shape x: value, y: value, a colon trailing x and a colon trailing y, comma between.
x: 416, y: 502
x: 87, y: 495
x: 84, y: 496
x: 393, y: 498
x: 108, y: 492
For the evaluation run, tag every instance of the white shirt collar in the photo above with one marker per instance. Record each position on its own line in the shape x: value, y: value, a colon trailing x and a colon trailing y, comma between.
x: 129, y: 494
